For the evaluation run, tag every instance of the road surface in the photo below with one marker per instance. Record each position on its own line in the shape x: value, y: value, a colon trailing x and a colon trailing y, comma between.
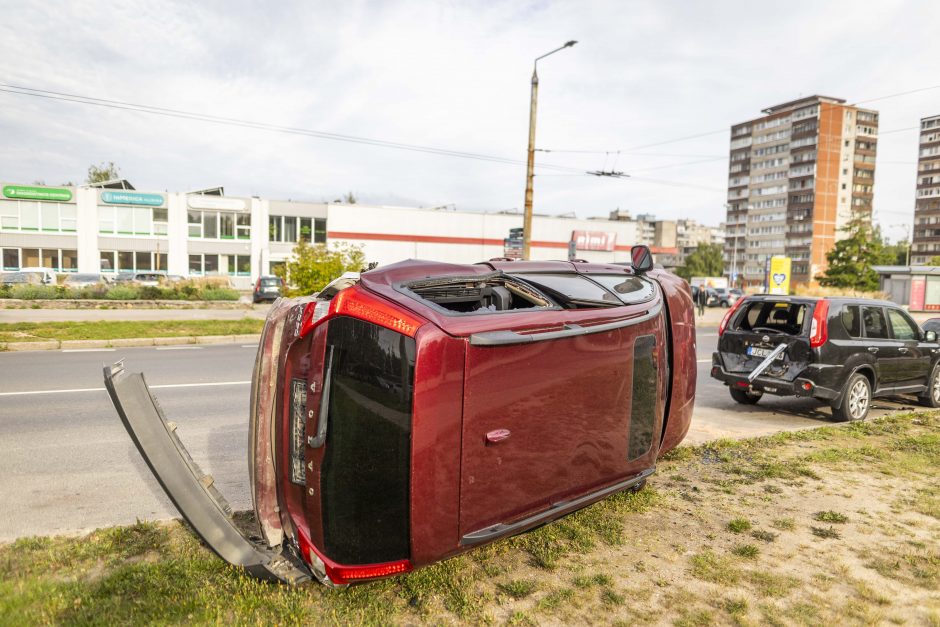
x: 67, y: 465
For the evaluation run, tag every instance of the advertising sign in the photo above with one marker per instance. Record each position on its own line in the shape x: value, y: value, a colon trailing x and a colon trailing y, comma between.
x: 716, y: 282
x: 594, y: 240
x: 778, y: 276
x: 131, y: 198
x: 30, y: 192
x: 216, y: 202
x: 918, y: 292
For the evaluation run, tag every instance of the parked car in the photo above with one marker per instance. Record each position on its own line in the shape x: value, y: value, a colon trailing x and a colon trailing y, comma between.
x: 49, y: 277
x: 267, y: 287
x: 422, y: 409
x: 843, y: 351
x: 80, y: 280
x: 23, y: 278
x: 721, y: 297
x: 933, y: 324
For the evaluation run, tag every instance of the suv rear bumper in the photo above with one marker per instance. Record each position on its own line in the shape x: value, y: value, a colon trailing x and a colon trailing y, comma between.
x: 800, y: 386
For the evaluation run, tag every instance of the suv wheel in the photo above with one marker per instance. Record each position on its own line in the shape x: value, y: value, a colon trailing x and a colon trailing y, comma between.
x: 744, y: 397
x: 931, y: 397
x: 856, y: 400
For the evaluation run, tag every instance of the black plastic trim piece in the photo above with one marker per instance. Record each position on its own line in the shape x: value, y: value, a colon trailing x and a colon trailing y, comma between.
x: 316, y: 441
x: 558, y: 509
x: 192, y: 491
x: 505, y: 337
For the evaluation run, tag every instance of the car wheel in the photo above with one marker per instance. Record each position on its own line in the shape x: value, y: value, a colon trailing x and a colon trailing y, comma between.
x: 725, y: 304
x: 931, y: 398
x: 745, y: 397
x: 856, y: 400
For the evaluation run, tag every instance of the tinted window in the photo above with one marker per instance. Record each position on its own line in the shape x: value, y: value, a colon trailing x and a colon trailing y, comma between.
x: 851, y: 321
x: 873, y: 319
x: 901, y: 327
x: 572, y: 287
x: 270, y: 282
x: 629, y: 289
x: 773, y: 316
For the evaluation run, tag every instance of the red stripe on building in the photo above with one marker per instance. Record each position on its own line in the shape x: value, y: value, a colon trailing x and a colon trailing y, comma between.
x: 434, y: 239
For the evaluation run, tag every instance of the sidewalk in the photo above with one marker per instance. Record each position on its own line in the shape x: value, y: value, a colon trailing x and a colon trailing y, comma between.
x: 259, y: 312
x: 53, y: 345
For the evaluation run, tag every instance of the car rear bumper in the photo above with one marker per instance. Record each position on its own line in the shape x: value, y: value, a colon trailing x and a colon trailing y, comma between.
x: 800, y: 386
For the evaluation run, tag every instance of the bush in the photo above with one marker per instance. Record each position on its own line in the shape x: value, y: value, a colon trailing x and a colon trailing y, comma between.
x: 32, y: 292
x: 122, y: 292
x: 221, y: 293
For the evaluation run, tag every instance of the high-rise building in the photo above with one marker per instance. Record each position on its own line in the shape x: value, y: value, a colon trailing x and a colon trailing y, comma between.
x: 926, y: 241
x: 797, y: 176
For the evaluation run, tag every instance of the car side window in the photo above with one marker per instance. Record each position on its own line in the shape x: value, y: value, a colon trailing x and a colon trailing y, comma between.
x: 851, y: 321
x: 873, y: 319
x: 901, y: 327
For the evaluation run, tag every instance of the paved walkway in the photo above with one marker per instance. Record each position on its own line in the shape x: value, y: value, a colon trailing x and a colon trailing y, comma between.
x: 75, y: 315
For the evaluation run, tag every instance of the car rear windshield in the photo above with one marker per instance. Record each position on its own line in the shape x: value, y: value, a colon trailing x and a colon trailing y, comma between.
x: 270, y: 283
x: 767, y: 316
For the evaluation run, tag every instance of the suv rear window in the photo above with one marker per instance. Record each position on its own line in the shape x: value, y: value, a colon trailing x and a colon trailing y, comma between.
x: 773, y: 316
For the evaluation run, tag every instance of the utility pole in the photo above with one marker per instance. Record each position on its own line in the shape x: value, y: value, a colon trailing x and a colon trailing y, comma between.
x: 530, y: 162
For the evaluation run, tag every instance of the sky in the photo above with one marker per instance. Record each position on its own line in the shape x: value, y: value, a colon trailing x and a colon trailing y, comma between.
x: 455, y: 76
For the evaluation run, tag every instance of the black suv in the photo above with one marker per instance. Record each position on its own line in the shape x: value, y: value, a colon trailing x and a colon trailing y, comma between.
x: 843, y: 351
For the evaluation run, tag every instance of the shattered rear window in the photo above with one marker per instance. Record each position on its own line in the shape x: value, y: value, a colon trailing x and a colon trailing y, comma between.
x: 767, y: 316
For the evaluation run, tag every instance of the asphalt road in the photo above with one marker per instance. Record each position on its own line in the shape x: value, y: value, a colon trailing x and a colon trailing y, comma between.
x: 67, y: 464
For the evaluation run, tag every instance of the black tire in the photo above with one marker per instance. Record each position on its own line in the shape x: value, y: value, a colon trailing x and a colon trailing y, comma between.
x: 744, y: 397
x: 931, y: 398
x: 855, y: 400
x: 725, y: 304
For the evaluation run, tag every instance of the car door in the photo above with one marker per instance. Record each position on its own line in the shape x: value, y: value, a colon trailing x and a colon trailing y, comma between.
x: 878, y: 342
x: 562, y: 410
x: 913, y: 359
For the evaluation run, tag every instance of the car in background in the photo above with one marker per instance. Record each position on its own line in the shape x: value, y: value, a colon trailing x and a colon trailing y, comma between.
x: 721, y: 297
x: 49, y: 276
x: 81, y: 279
x: 843, y: 351
x: 416, y: 411
x: 267, y: 287
x: 23, y: 278
x: 933, y: 324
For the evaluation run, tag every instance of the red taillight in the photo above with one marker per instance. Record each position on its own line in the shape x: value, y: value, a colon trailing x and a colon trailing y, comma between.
x: 819, y: 330
x: 724, y: 321
x: 258, y: 285
x: 357, y: 303
x: 350, y: 574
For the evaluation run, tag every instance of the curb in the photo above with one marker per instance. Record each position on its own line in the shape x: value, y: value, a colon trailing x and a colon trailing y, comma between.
x: 52, y: 345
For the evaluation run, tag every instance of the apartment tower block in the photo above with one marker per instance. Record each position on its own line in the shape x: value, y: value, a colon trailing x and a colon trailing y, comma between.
x: 797, y: 175
x: 926, y: 240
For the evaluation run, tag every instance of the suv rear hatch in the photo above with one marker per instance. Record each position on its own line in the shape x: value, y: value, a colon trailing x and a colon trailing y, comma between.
x: 761, y: 325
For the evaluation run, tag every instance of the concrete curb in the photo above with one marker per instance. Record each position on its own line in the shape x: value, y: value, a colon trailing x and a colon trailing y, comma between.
x: 52, y: 345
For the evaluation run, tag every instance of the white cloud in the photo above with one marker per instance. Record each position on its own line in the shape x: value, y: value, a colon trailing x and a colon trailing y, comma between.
x: 454, y: 75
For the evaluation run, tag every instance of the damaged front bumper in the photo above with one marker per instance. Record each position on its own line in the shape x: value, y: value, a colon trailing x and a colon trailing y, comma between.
x: 192, y: 491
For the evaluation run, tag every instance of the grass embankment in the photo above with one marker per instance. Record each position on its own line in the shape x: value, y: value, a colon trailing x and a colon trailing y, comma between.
x: 108, y: 330
x: 837, y: 525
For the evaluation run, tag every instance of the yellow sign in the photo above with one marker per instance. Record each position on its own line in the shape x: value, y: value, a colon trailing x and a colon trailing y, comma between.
x: 778, y: 277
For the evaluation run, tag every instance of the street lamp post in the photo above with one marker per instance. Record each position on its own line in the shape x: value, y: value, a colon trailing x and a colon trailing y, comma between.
x: 530, y: 164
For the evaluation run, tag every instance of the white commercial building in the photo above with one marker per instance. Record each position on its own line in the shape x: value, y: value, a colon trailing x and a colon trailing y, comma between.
x: 119, y: 229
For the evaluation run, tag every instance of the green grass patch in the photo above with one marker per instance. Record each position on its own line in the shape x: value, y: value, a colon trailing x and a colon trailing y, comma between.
x: 830, y: 516
x: 747, y: 551
x: 518, y: 588
x: 120, y: 329
x: 827, y: 533
x: 708, y: 566
x: 739, y: 525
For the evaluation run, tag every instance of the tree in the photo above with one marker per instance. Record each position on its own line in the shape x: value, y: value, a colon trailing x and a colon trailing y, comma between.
x: 102, y: 172
x: 851, y: 259
x: 934, y: 261
x: 314, y: 265
x: 705, y: 260
x: 898, y: 252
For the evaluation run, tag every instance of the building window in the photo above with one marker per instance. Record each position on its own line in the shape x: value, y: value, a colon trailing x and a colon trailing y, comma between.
x: 58, y: 259
x: 130, y: 261
x: 145, y: 221
x: 218, y: 224
x: 292, y: 229
x: 37, y: 216
x: 11, y: 259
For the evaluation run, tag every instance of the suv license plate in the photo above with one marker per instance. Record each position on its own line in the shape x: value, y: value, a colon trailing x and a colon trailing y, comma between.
x: 761, y: 352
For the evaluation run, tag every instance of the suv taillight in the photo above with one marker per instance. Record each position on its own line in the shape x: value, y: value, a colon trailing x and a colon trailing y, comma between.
x: 724, y: 321
x: 819, y: 330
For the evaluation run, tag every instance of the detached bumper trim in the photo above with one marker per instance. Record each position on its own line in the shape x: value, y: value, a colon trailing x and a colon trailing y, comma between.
x: 770, y: 385
x: 191, y: 491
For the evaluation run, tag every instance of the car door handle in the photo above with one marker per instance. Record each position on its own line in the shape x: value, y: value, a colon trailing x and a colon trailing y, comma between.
x: 872, y: 349
x: 902, y: 350
x: 504, y: 338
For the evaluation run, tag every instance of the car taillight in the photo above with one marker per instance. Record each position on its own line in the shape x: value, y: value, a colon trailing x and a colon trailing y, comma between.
x: 819, y: 330
x: 350, y: 574
x: 357, y: 303
x: 724, y: 321
x: 258, y: 285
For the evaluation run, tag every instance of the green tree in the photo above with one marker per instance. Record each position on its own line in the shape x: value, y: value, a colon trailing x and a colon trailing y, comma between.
x: 851, y: 259
x: 314, y: 265
x: 934, y: 261
x: 897, y: 252
x: 705, y: 260
x: 102, y: 172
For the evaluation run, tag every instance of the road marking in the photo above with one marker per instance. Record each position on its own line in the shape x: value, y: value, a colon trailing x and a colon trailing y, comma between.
x: 88, y: 350
x: 249, y: 346
x: 152, y: 387
x: 179, y: 348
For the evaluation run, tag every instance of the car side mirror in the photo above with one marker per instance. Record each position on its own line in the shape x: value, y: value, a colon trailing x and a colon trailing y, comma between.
x: 930, y: 336
x: 641, y: 258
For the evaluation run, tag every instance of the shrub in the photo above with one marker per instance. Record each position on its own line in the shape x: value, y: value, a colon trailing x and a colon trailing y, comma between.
x: 220, y: 293
x: 32, y: 292
x: 122, y: 292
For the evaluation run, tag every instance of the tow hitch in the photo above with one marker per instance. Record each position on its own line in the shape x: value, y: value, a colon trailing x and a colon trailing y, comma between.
x: 192, y: 491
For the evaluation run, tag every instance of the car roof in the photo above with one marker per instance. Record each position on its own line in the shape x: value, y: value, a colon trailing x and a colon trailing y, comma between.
x: 806, y: 300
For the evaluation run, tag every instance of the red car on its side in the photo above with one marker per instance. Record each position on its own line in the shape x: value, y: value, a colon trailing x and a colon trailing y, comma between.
x: 422, y: 409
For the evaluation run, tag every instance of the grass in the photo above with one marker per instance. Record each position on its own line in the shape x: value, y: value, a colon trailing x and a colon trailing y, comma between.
x: 113, y: 330
x: 650, y: 556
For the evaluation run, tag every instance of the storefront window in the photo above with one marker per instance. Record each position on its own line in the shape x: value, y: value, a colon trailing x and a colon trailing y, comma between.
x: 211, y: 264
x: 227, y: 225
x: 69, y: 260
x: 107, y: 261
x: 31, y: 258
x: 160, y: 264
x: 143, y: 261
x: 195, y: 264
x: 243, y: 226
x: 50, y: 258
x: 210, y: 224
x: 11, y: 259
x: 125, y: 261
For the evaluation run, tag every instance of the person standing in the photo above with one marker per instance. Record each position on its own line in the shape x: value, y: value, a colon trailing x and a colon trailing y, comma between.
x: 701, y: 299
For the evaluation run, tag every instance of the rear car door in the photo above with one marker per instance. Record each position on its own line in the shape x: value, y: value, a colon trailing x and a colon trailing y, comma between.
x: 913, y: 360
x: 879, y: 343
x: 556, y: 412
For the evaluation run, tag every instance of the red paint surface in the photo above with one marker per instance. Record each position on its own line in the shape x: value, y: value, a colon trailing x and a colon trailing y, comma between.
x: 918, y: 293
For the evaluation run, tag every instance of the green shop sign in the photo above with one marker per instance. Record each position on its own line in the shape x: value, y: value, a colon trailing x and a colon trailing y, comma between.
x: 27, y: 192
x: 130, y: 198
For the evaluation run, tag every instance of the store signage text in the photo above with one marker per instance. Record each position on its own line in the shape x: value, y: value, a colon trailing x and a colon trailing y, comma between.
x: 594, y: 240
x: 215, y: 202
x: 131, y: 198
x: 28, y: 192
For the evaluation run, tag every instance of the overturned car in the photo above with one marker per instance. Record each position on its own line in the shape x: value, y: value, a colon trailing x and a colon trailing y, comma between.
x: 422, y: 409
